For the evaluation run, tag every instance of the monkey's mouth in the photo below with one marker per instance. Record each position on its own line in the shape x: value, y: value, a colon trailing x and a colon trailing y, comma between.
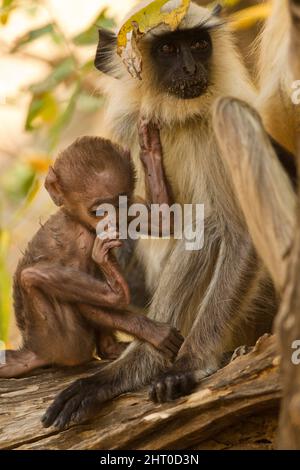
x: 188, y: 89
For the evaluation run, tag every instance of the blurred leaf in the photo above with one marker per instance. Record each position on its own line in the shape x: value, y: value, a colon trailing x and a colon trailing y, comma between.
x: 7, y: 7
x: 32, y: 192
x: 26, y: 203
x: 151, y: 16
x: 57, y: 38
x: 5, y: 286
x: 17, y: 181
x: 230, y: 3
x: 247, y: 17
x: 33, y: 35
x: 65, y: 117
x: 39, y: 162
x: 89, y: 103
x: 6, y: 4
x: 139, y: 24
x: 43, y: 109
x: 60, y: 73
x: 90, y: 35
x: 88, y: 66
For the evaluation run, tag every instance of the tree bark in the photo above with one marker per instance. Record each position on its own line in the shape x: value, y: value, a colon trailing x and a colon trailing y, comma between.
x: 235, y: 408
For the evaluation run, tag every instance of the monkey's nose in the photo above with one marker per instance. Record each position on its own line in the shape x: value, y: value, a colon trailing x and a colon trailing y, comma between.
x: 190, y: 69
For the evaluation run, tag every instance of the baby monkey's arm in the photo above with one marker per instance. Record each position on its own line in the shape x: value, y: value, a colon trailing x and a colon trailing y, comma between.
x: 103, y: 256
x: 162, y: 336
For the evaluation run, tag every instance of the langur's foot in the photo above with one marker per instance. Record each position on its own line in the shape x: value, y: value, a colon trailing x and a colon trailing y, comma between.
x: 240, y: 351
x: 180, y: 380
x: 17, y: 363
x: 82, y: 400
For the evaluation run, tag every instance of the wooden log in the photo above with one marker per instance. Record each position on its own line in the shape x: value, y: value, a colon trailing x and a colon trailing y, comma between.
x: 235, y: 408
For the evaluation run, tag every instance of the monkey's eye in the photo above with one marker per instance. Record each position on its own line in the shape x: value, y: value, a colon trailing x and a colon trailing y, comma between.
x: 93, y: 212
x: 201, y: 45
x: 168, y: 49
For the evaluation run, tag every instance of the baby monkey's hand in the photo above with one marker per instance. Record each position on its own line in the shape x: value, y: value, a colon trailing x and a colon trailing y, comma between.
x: 103, y: 245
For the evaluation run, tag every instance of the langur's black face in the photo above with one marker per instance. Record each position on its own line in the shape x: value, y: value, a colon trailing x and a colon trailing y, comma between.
x: 182, y: 62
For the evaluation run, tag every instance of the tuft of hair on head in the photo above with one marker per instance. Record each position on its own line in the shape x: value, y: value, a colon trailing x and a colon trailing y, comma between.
x: 77, y: 165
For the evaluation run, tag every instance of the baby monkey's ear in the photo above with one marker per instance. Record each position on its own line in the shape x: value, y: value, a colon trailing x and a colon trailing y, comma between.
x: 53, y: 187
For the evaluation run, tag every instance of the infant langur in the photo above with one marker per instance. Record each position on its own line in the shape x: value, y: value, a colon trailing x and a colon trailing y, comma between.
x: 69, y: 293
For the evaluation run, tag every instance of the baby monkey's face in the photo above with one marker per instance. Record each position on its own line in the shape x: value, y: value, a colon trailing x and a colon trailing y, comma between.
x: 102, y: 188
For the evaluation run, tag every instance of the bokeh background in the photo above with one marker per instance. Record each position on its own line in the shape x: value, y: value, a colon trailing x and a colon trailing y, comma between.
x: 49, y: 96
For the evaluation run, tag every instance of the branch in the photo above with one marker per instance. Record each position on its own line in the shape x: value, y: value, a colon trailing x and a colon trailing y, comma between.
x: 227, y: 407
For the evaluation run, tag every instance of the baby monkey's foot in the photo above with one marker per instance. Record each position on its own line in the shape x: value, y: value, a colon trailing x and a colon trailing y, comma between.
x: 168, y: 340
x: 17, y: 363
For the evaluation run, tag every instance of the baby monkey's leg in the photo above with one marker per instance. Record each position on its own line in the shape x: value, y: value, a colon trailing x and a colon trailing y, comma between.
x: 54, y: 333
x: 24, y: 360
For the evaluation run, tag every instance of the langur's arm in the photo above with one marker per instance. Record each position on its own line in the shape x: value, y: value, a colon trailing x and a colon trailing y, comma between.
x: 262, y: 187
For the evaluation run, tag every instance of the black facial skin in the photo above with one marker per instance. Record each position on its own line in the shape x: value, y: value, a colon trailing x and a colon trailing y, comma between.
x: 181, y: 60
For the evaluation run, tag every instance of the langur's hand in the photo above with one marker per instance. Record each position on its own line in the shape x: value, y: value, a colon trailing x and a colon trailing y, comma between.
x: 103, y: 244
x: 150, y: 143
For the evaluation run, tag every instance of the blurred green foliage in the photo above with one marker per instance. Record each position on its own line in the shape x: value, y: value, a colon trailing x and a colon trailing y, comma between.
x: 67, y: 87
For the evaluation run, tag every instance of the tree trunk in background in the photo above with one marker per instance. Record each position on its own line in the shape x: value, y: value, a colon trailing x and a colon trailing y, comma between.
x: 288, y: 321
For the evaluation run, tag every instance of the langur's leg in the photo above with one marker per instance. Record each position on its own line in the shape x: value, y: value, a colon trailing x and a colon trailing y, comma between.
x: 228, y: 299
x: 263, y: 189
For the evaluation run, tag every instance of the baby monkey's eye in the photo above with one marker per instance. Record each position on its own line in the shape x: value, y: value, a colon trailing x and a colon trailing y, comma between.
x: 168, y: 49
x: 200, y: 45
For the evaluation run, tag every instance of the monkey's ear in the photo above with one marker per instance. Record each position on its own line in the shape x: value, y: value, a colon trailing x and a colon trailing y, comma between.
x: 53, y: 187
x: 106, y: 54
